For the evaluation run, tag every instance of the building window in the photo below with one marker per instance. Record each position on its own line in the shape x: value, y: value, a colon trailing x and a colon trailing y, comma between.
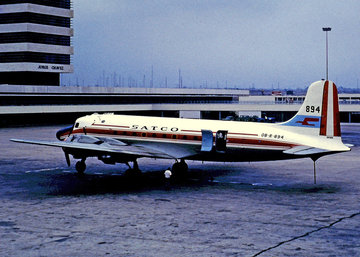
x: 32, y: 37
x: 28, y: 17
x: 34, y: 57
x: 55, y: 3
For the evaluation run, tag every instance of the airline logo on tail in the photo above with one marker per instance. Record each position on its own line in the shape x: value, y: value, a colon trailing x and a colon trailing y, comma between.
x: 306, y: 121
x: 319, y: 111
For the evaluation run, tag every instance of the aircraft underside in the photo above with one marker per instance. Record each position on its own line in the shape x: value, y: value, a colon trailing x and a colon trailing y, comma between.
x: 191, y: 152
x: 243, y: 155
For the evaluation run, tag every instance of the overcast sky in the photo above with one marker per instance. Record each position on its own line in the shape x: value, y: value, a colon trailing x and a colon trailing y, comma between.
x: 215, y: 42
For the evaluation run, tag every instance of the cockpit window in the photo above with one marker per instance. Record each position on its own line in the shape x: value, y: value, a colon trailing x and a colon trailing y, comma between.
x: 76, y: 124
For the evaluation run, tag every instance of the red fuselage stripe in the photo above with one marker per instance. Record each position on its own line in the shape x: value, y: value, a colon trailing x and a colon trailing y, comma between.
x: 242, y: 134
x: 182, y: 137
x: 194, y: 131
x: 230, y: 133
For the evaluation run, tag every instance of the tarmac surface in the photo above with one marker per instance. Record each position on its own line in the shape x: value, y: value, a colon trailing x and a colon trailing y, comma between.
x: 250, y: 209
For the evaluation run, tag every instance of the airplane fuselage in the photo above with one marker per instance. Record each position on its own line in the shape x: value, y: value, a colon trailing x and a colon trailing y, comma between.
x: 183, y: 138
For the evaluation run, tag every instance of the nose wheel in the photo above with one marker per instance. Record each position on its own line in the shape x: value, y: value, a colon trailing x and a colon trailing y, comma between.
x: 80, y: 167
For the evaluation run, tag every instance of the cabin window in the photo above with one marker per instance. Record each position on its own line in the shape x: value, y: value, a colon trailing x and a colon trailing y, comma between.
x: 153, y: 135
x: 76, y: 124
x: 185, y: 137
x: 164, y: 135
x: 174, y: 136
x: 134, y: 134
x: 143, y: 134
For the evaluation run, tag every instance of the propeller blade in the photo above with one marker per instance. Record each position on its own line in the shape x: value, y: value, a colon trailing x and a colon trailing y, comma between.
x: 67, y: 157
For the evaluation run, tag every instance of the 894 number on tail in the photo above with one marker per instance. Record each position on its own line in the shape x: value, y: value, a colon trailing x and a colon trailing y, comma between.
x: 312, y: 108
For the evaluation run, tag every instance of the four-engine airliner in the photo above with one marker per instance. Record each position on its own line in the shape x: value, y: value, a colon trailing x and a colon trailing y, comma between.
x: 313, y: 132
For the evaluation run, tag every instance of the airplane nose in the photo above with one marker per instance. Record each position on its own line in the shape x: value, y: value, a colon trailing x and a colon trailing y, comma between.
x: 62, y: 133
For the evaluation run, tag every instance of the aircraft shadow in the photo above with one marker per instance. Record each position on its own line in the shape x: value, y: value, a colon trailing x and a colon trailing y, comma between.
x: 92, y: 184
x: 50, y: 184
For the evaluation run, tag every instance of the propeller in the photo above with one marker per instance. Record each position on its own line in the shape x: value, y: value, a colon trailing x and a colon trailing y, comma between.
x: 67, y: 157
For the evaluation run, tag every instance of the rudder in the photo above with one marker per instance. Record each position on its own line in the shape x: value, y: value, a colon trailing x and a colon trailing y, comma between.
x: 330, y: 115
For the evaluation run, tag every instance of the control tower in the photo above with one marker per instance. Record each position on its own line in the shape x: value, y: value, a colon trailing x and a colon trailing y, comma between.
x: 35, y: 41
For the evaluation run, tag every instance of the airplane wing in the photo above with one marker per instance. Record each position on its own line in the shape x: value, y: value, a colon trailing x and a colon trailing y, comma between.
x: 92, y: 146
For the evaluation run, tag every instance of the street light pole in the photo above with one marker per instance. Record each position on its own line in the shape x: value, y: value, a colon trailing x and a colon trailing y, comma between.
x: 327, y: 51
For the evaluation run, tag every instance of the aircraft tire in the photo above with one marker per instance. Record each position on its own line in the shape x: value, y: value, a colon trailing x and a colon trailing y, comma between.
x: 179, y: 169
x: 80, y: 167
x: 132, y: 172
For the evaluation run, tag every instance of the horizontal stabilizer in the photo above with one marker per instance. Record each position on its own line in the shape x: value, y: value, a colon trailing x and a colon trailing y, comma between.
x: 305, y: 150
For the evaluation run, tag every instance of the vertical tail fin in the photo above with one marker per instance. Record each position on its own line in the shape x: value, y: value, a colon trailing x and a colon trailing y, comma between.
x: 319, y: 114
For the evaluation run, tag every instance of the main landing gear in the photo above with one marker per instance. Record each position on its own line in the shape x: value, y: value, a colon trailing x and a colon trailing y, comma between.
x: 134, y: 170
x: 180, y: 169
x: 80, y: 167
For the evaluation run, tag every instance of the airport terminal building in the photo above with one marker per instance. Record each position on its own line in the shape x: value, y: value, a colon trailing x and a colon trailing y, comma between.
x: 35, y: 48
x: 35, y: 41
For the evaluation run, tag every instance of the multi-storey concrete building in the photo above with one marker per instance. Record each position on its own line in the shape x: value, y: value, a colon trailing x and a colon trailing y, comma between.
x: 35, y: 41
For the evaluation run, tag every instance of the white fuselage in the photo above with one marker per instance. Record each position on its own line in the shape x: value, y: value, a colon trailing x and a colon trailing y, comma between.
x: 182, y: 138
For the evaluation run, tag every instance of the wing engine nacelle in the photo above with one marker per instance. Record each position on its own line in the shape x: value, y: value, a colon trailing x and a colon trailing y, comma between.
x: 110, y: 159
x: 64, y: 133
